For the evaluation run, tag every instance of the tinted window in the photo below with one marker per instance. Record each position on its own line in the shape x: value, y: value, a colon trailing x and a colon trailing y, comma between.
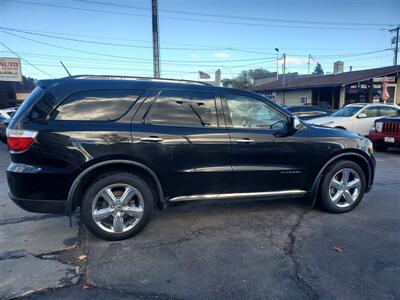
x: 33, y: 97
x: 371, y: 112
x: 183, y: 108
x: 246, y: 112
x: 388, y: 111
x: 100, y: 105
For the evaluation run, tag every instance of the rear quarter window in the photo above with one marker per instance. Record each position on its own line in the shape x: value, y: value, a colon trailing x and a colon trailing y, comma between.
x: 29, y: 102
x: 96, y: 105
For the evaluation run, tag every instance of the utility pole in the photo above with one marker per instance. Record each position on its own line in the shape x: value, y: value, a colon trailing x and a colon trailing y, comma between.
x: 284, y: 63
x: 309, y: 62
x: 396, y: 51
x: 156, y: 45
x: 284, y: 69
x: 277, y: 63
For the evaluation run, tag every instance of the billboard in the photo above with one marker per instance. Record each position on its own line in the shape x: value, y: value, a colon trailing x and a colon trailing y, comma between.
x: 10, y: 69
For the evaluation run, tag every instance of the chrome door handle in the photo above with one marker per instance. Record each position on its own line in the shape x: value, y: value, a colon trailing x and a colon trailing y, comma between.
x: 245, y: 141
x: 153, y: 139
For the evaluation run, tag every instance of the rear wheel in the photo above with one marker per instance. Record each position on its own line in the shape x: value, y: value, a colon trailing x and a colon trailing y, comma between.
x: 343, y: 187
x: 117, y: 206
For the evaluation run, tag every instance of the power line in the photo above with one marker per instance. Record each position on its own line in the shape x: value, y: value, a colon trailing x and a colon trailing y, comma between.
x: 217, y: 47
x: 184, y: 12
x: 127, y: 57
x: 6, y: 29
x: 197, y: 20
x: 103, y: 43
x: 23, y: 59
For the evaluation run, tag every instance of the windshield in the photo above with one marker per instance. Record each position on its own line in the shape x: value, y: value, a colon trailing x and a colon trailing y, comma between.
x: 347, y: 111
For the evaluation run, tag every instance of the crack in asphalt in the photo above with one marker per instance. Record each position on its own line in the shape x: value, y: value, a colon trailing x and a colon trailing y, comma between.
x: 290, y: 251
x: 28, y: 218
x: 55, y: 255
x: 14, y: 254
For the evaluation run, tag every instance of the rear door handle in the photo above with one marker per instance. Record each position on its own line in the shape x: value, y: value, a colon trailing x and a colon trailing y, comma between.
x: 152, y: 139
x: 245, y: 141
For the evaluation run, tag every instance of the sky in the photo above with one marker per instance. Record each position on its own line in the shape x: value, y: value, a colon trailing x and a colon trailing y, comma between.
x: 115, y: 37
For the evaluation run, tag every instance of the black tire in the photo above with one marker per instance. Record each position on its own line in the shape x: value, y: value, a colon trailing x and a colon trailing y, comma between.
x: 111, y: 179
x: 381, y: 148
x: 325, y: 197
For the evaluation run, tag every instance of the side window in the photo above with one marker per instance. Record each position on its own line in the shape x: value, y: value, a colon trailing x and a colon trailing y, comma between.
x: 98, y: 105
x: 184, y: 108
x: 388, y: 111
x: 246, y: 112
x: 371, y: 112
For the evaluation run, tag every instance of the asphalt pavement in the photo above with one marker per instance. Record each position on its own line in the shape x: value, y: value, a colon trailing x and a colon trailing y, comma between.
x: 254, y: 250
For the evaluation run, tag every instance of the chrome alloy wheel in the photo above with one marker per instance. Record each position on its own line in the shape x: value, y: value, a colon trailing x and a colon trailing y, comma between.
x: 345, y: 187
x: 117, y: 208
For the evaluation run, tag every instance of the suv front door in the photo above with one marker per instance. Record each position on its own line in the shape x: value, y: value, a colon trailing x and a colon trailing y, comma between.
x: 182, y: 135
x: 264, y: 158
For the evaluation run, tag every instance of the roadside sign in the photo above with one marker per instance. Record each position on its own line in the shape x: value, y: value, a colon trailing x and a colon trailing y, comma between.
x: 10, y: 69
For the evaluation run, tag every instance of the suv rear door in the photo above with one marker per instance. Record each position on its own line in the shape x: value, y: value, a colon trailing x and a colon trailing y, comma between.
x: 263, y: 159
x: 182, y: 136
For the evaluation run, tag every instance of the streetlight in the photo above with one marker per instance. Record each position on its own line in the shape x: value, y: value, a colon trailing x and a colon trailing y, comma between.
x: 277, y: 62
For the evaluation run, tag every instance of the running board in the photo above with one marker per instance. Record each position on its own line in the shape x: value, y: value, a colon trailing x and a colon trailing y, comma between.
x: 237, y: 195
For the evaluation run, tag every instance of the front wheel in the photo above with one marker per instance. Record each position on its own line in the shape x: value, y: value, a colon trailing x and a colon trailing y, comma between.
x: 117, y: 206
x: 342, y: 187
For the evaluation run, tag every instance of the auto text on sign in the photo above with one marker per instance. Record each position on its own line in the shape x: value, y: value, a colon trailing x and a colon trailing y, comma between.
x: 10, y: 69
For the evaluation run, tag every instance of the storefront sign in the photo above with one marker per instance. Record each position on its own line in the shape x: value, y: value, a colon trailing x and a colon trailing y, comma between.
x: 389, y: 79
x: 10, y: 69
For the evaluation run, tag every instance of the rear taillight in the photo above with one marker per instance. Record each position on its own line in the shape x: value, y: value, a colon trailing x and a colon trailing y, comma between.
x: 19, y: 140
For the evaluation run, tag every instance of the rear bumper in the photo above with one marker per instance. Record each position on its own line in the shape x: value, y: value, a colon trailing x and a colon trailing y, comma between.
x: 39, y: 190
x: 41, y: 206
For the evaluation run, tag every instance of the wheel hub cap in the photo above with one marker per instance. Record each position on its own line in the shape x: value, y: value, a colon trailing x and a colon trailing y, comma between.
x: 117, y: 208
x: 345, y: 187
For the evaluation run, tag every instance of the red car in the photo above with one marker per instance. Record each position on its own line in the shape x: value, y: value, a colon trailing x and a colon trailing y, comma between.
x: 385, y: 133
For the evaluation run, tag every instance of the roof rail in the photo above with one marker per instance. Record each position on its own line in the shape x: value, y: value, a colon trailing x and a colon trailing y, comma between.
x: 137, y: 78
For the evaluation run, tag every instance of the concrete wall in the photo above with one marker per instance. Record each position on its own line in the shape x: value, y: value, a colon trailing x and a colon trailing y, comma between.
x: 294, y: 97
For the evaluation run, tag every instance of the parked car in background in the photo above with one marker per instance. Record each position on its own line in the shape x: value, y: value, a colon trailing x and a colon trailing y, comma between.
x: 305, y: 112
x: 3, y: 129
x: 8, y: 112
x: 385, y: 133
x: 119, y: 147
x: 357, y: 117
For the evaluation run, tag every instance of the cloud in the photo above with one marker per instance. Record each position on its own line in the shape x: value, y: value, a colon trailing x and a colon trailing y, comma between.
x: 294, y: 61
x: 221, y: 55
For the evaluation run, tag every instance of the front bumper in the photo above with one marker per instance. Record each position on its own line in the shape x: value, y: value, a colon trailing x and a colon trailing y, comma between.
x: 372, y: 174
x: 378, y: 138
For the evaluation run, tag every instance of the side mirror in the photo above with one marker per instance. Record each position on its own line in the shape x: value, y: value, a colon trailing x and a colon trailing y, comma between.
x: 362, y: 116
x: 296, y: 123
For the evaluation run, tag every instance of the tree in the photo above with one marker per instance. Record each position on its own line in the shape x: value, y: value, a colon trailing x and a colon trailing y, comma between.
x: 8, y: 89
x: 245, y: 79
x: 318, y: 70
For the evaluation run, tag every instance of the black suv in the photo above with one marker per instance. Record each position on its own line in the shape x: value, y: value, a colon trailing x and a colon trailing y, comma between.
x: 117, y: 147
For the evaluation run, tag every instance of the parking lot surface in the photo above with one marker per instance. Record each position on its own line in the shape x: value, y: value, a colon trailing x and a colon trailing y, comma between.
x: 254, y: 250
